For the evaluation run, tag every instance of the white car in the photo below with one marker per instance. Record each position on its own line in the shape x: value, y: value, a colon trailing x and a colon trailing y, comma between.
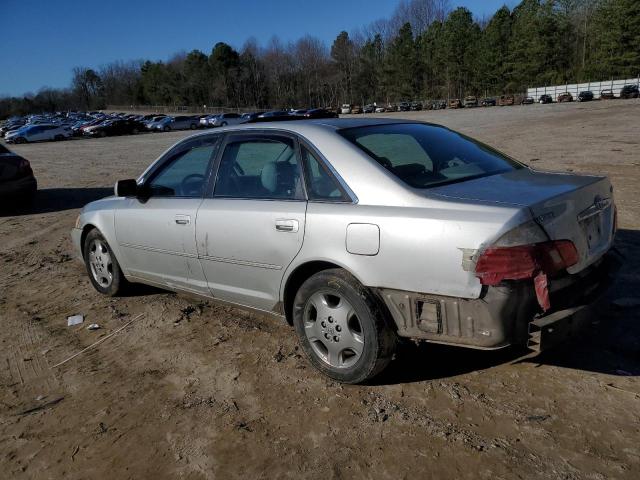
x: 38, y: 133
x: 345, y: 109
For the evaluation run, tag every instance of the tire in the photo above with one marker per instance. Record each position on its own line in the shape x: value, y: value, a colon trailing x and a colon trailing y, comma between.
x: 102, y: 266
x: 193, y: 126
x: 20, y: 140
x: 223, y: 124
x: 134, y: 131
x: 166, y: 129
x: 103, y: 134
x: 354, y: 346
x: 58, y: 138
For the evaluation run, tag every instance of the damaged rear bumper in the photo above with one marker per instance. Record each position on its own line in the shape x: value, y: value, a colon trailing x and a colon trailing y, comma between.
x: 506, y: 314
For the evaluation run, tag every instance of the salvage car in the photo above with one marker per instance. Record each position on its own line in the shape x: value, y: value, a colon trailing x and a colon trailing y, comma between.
x: 115, y: 127
x: 607, y: 95
x: 470, y: 101
x: 39, y: 133
x: 564, y: 97
x: 629, y: 91
x: 18, y: 185
x: 585, y: 96
x: 546, y: 98
x: 360, y: 232
x: 506, y: 100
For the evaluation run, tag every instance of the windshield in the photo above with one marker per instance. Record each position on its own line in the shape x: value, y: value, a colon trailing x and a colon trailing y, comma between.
x: 424, y: 156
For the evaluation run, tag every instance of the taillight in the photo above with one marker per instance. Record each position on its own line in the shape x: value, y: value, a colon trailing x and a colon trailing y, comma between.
x: 522, y: 262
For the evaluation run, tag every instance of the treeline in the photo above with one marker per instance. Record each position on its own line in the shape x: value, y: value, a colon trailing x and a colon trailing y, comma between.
x: 426, y: 50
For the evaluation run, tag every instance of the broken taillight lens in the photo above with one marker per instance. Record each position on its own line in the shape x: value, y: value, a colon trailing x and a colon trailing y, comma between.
x: 521, y: 262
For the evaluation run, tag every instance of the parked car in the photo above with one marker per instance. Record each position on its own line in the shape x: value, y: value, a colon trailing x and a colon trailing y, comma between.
x: 225, y: 119
x: 118, y: 126
x: 470, y: 101
x: 320, y: 113
x: 356, y: 109
x: 181, y: 122
x: 544, y: 99
x: 204, y: 121
x: 345, y: 109
x: 455, y: 103
x: 38, y: 133
x: 155, y: 123
x: 250, y: 116
x: 488, y: 102
x: 607, y: 95
x: 585, y: 96
x: 565, y: 97
x: 629, y: 91
x: 370, y: 108
x: 380, y: 109
x: 506, y: 100
x: 458, y: 244
x: 404, y: 106
x: 527, y: 101
x: 416, y: 106
x: 18, y: 185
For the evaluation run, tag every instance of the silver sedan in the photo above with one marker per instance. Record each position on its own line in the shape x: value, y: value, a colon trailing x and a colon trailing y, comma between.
x: 360, y: 233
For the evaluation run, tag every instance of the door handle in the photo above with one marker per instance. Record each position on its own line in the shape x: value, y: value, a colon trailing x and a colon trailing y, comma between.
x: 183, y: 219
x: 287, y: 225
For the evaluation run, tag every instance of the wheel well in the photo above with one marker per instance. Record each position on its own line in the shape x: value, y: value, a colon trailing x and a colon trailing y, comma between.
x: 296, y: 279
x: 85, y: 231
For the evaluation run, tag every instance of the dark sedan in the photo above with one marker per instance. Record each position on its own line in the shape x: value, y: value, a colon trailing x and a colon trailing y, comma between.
x: 115, y: 127
x: 320, y: 113
x: 585, y: 96
x: 17, y: 181
x: 546, y: 99
x: 629, y: 91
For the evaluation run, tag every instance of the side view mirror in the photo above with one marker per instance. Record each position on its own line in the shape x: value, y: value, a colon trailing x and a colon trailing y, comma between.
x: 126, y: 188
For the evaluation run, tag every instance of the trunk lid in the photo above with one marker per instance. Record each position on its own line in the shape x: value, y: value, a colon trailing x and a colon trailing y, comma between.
x: 579, y: 208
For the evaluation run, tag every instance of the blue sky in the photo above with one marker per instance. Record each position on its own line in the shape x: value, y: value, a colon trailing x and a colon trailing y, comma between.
x: 44, y: 39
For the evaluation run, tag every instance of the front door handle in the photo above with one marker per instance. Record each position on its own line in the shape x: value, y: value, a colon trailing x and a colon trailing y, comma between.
x: 183, y: 219
x: 287, y: 225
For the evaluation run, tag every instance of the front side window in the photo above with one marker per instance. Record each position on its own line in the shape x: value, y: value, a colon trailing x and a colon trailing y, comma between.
x: 424, y: 156
x: 265, y: 167
x: 185, y: 174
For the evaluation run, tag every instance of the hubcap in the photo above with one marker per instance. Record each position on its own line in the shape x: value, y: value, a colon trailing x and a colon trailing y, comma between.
x: 100, y: 263
x: 333, y: 329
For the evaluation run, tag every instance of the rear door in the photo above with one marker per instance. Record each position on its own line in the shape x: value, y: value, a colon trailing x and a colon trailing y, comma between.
x: 251, y: 226
x: 156, y: 234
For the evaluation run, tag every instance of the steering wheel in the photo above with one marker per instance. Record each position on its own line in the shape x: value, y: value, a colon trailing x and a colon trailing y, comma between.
x: 192, y: 184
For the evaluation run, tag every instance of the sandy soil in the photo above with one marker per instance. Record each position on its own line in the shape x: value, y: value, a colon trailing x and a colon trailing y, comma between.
x: 195, y: 390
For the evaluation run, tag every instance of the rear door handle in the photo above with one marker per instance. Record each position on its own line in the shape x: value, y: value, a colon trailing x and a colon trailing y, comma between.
x: 287, y: 225
x: 183, y: 219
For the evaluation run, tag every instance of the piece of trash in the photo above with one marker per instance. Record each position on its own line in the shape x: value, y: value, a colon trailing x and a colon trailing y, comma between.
x: 93, y: 326
x: 627, y: 302
x: 75, y: 320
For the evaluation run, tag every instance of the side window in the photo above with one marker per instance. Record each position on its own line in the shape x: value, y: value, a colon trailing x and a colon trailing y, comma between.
x: 186, y: 174
x: 320, y: 183
x: 259, y: 168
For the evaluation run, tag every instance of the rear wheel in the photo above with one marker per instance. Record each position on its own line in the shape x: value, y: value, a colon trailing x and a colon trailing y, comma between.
x: 58, y: 137
x: 167, y: 128
x: 103, y: 268
x: 342, y: 327
x: 193, y: 126
x: 223, y: 124
x: 21, y: 140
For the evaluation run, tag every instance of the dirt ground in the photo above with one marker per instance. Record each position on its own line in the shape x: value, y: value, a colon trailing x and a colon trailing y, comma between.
x: 195, y: 390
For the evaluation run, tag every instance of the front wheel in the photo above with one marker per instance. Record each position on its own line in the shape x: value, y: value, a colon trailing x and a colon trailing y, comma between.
x: 342, y: 327
x: 103, y: 268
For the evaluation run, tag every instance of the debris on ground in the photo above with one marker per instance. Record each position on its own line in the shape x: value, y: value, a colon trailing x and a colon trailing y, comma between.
x: 75, y: 320
x: 93, y: 326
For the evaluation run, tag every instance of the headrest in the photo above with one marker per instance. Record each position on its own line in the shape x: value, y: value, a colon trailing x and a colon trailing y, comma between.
x: 269, y: 177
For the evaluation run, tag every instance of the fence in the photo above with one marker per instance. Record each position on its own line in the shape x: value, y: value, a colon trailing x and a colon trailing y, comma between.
x: 178, y: 109
x: 575, y: 88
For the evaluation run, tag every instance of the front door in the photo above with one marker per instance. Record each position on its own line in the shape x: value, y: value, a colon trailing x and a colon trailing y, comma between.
x: 252, y: 226
x: 156, y: 233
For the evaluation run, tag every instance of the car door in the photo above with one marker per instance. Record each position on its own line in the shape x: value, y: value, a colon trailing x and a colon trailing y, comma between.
x: 251, y: 227
x: 156, y: 232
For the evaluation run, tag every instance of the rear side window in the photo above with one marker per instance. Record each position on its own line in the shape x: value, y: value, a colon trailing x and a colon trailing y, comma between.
x: 424, y: 156
x: 321, y: 185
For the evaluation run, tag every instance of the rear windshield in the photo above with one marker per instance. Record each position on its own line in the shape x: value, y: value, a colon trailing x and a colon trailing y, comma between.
x: 424, y: 156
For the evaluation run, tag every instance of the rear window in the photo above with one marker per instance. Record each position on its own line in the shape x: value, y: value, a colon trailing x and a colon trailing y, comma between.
x: 424, y: 156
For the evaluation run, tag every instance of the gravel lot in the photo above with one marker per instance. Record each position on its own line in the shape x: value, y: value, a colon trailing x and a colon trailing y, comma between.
x: 196, y: 390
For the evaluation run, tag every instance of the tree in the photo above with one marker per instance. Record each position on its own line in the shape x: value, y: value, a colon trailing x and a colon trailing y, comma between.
x: 343, y: 54
x: 87, y: 85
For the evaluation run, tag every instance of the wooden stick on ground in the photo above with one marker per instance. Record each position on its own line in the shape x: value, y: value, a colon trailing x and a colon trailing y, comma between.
x: 99, y: 341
